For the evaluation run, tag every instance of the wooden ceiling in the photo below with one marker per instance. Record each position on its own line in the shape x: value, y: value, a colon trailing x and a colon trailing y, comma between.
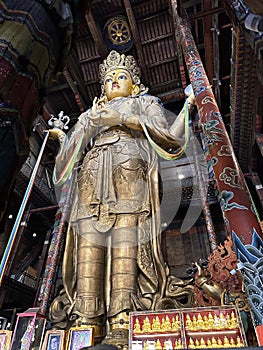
x: 222, y: 40
x: 154, y: 45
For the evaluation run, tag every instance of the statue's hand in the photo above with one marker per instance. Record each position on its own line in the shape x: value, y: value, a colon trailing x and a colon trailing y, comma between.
x: 57, y: 134
x: 107, y: 117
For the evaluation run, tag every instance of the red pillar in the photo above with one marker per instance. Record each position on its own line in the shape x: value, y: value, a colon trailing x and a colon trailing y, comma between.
x: 241, y: 221
x: 235, y: 200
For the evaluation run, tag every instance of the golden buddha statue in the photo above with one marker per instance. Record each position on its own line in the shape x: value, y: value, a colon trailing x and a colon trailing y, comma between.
x: 146, y: 326
x: 166, y: 324
x: 188, y: 323
x: 222, y: 320
x: 233, y: 320
x: 214, y: 342
x: 239, y: 343
x: 208, y: 343
x: 232, y: 343
x: 228, y: 321
x: 202, y: 343
x: 175, y: 326
x: 191, y: 344
x: 158, y: 345
x: 178, y: 344
x: 115, y: 220
x: 194, y: 323
x: 146, y: 345
x: 226, y: 342
x: 210, y: 321
x: 156, y: 324
x: 205, y: 324
x: 216, y: 322
x: 219, y: 343
x: 137, y: 326
x: 200, y: 322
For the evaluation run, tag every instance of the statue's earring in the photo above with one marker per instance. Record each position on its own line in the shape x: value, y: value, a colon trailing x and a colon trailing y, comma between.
x: 135, y: 90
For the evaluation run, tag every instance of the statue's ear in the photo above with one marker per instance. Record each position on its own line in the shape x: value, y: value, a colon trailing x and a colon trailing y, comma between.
x: 135, y: 89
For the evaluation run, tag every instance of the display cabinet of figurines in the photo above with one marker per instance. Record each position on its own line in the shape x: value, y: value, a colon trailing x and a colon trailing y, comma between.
x: 202, y: 327
x: 218, y: 327
x: 156, y: 330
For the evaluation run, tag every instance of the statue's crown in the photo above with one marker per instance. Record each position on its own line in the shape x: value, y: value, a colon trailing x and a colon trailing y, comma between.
x: 116, y: 60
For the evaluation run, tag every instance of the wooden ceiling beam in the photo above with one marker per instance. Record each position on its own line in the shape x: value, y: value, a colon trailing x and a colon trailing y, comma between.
x: 96, y: 33
x: 76, y: 80
x: 205, y: 13
x: 180, y: 58
x: 135, y: 33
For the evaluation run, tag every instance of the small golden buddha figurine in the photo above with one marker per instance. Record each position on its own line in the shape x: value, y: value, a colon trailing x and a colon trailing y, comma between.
x: 166, y: 324
x: 210, y: 321
x: 200, y: 322
x: 228, y: 321
x: 188, y: 323
x: 137, y: 326
x: 158, y: 345
x: 153, y: 324
x: 178, y: 344
x: 219, y: 343
x: 214, y: 343
x: 163, y: 325
x: 202, y: 343
x: 146, y: 327
x: 194, y: 323
x: 146, y: 345
x: 226, y: 342
x: 197, y: 343
x: 176, y: 323
x: 233, y: 323
x: 156, y: 325
x: 191, y: 343
x: 205, y: 323
x: 216, y: 322
x: 232, y: 343
x: 222, y: 320
x: 209, y: 343
x: 239, y: 343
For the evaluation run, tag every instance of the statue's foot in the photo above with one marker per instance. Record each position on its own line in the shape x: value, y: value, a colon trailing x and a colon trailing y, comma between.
x: 118, y: 337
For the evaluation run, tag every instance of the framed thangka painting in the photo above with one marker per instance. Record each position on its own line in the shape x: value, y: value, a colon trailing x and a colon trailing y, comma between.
x: 54, y: 340
x: 79, y: 337
x: 29, y: 330
x: 5, y: 339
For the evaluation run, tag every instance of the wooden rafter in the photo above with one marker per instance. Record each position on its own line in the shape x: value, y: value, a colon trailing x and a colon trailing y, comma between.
x: 136, y: 37
x: 96, y: 33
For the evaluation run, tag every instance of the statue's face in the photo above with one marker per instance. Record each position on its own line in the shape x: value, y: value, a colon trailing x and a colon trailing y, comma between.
x: 118, y: 83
